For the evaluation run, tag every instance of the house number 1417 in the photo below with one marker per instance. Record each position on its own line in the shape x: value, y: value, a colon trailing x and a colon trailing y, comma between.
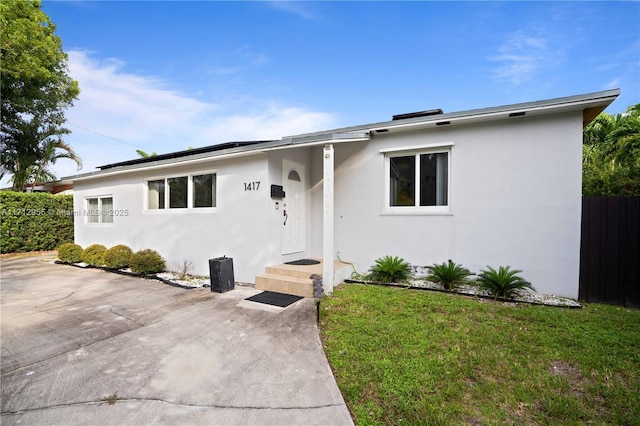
x: 251, y: 186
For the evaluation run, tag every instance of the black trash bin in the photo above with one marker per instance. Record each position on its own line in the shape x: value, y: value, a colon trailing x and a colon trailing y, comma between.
x: 221, y: 273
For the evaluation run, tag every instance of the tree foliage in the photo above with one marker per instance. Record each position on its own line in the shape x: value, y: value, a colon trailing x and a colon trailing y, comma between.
x: 29, y: 149
x: 36, y: 89
x: 144, y: 154
x: 611, y: 154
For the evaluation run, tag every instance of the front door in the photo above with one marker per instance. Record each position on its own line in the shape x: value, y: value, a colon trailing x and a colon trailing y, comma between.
x: 293, y: 207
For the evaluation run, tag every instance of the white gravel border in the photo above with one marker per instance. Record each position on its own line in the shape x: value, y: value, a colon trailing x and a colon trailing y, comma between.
x: 525, y: 295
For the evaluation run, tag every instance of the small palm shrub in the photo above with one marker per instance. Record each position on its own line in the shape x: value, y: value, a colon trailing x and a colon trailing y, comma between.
x: 502, y: 283
x: 94, y: 255
x: 448, y: 274
x: 117, y: 257
x: 390, y: 269
x: 70, y: 253
x: 146, y: 261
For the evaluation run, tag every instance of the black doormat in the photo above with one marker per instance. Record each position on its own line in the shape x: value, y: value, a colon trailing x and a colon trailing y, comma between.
x: 303, y: 262
x: 275, y: 299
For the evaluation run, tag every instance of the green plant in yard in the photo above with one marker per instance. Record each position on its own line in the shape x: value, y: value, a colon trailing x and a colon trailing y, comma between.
x: 94, y: 255
x: 448, y: 274
x: 390, y: 269
x: 70, y: 253
x: 146, y: 261
x: 117, y: 257
x: 502, y: 283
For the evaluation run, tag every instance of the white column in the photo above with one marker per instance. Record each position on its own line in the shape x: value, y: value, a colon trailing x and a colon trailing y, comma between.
x: 327, y: 221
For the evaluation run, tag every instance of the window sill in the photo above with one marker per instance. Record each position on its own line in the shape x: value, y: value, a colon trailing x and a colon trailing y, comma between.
x: 414, y: 212
x: 197, y: 210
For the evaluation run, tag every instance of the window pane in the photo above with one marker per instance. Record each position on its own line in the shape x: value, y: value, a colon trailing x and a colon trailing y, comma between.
x: 433, y: 179
x: 204, y: 191
x: 92, y: 207
x: 402, y: 181
x: 177, y: 192
x: 106, y: 210
x: 156, y: 194
x: 293, y: 175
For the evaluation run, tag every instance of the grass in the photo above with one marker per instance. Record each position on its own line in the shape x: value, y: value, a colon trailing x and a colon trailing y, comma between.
x: 417, y: 357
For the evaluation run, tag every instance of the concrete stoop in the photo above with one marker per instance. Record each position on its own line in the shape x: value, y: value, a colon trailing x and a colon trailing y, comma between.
x: 296, y: 279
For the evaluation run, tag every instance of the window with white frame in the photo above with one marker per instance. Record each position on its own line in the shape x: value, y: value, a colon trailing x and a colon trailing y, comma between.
x: 204, y: 190
x: 99, y: 209
x: 181, y: 192
x: 418, y: 179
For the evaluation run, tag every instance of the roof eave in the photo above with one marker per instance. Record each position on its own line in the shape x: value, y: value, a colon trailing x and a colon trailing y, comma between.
x: 223, y: 154
x: 591, y: 104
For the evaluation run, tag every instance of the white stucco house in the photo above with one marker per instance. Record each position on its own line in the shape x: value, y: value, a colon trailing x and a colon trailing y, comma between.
x: 493, y: 186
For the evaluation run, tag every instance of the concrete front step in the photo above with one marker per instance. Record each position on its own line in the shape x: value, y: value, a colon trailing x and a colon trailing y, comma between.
x: 278, y: 283
x: 291, y: 273
x: 296, y: 279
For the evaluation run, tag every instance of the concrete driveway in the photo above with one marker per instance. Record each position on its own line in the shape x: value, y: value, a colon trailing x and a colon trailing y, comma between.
x: 83, y: 346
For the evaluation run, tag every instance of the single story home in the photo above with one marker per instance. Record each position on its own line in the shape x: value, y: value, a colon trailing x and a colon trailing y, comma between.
x: 492, y: 186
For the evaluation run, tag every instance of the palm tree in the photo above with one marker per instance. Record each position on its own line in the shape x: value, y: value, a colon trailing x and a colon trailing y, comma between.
x: 52, y: 149
x: 144, y: 154
x: 611, y: 154
x: 29, y: 149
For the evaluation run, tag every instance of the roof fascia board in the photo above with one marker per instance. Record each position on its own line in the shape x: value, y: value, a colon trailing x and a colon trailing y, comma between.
x: 503, y: 114
x: 603, y: 98
x: 361, y: 132
x: 317, y: 142
x: 133, y: 169
x: 256, y: 149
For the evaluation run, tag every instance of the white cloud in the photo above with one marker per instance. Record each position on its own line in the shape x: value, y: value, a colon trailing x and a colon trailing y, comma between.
x: 299, y: 8
x: 522, y: 56
x: 118, y: 112
x: 613, y: 84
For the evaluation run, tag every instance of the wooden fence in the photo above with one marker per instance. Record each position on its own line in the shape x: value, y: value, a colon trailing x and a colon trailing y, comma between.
x: 609, y: 251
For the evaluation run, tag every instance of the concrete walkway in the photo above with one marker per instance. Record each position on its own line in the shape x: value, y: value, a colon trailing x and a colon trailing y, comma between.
x: 87, y: 347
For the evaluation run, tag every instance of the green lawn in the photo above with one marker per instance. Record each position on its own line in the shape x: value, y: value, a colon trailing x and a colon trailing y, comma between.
x: 418, y: 357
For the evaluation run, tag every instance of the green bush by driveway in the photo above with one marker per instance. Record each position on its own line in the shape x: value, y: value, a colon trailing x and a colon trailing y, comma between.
x: 34, y: 221
x: 417, y: 357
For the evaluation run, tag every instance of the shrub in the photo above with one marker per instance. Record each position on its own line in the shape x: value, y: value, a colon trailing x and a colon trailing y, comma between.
x: 502, y: 283
x: 390, y: 269
x: 34, y: 221
x: 94, y: 255
x: 448, y: 274
x: 146, y: 262
x: 182, y: 269
x: 117, y: 257
x: 70, y: 253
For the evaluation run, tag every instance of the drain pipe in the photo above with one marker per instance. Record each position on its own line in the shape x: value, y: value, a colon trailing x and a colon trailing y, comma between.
x: 327, y: 220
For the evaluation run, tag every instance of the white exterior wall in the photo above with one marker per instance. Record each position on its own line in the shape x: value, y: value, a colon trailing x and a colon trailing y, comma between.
x: 239, y: 227
x: 515, y: 197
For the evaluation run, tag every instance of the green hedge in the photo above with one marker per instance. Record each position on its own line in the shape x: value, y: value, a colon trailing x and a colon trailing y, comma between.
x: 32, y: 222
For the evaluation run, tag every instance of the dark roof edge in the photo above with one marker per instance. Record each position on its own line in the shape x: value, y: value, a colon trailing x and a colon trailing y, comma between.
x: 179, y: 154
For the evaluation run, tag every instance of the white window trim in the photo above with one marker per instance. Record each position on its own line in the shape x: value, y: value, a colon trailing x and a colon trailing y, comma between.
x: 416, y: 151
x: 181, y: 210
x: 417, y: 148
x: 87, y: 210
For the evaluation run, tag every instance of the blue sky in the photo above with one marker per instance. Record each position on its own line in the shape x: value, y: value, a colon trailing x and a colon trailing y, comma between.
x: 165, y: 76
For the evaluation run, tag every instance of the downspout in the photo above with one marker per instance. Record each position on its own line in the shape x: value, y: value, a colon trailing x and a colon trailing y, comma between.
x: 328, y: 278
